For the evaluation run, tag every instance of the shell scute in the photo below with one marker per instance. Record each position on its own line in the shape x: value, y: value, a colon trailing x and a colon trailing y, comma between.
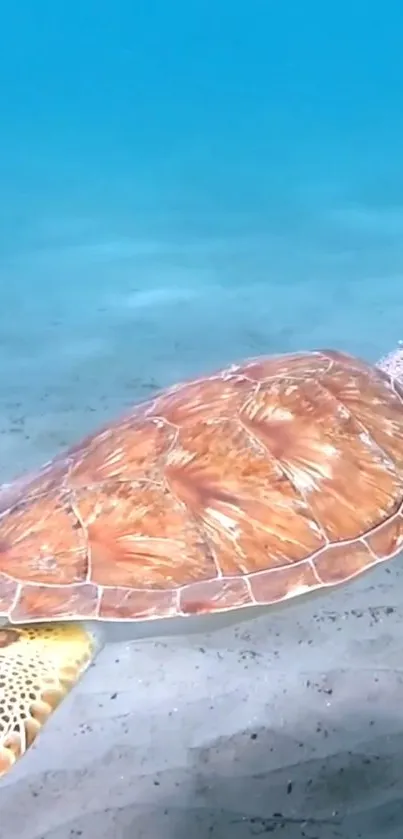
x: 131, y: 451
x: 139, y: 536
x: 42, y: 541
x: 137, y: 604
x: 387, y: 539
x: 55, y: 602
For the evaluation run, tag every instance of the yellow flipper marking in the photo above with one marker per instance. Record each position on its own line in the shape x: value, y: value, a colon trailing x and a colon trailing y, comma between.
x: 39, y: 665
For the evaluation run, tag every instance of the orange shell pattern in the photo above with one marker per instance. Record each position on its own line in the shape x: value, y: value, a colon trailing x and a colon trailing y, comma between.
x: 265, y: 480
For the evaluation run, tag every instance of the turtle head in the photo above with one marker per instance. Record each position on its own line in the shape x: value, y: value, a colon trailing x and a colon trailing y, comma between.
x: 392, y: 363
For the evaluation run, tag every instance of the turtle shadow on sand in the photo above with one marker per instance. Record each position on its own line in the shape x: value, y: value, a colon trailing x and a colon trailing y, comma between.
x: 232, y: 789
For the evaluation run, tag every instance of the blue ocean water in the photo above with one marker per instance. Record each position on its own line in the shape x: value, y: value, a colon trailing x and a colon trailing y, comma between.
x: 186, y: 183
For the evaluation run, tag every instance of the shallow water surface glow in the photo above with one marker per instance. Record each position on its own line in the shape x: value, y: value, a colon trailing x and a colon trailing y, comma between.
x: 183, y: 186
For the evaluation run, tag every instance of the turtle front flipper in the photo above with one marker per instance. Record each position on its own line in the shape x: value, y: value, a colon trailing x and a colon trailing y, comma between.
x: 39, y: 665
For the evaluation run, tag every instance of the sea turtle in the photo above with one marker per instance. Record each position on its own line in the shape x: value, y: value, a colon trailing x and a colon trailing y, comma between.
x: 220, y: 498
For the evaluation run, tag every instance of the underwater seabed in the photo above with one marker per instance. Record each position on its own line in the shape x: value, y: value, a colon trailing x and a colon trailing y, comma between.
x: 291, y: 720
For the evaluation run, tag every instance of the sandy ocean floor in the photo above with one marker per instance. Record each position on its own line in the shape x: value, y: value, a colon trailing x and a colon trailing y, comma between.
x: 290, y: 725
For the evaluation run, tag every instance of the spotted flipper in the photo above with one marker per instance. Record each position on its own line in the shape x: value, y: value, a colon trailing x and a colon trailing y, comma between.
x: 39, y: 665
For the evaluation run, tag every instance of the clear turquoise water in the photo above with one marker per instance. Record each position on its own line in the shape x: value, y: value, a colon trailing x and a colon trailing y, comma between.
x: 186, y: 183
